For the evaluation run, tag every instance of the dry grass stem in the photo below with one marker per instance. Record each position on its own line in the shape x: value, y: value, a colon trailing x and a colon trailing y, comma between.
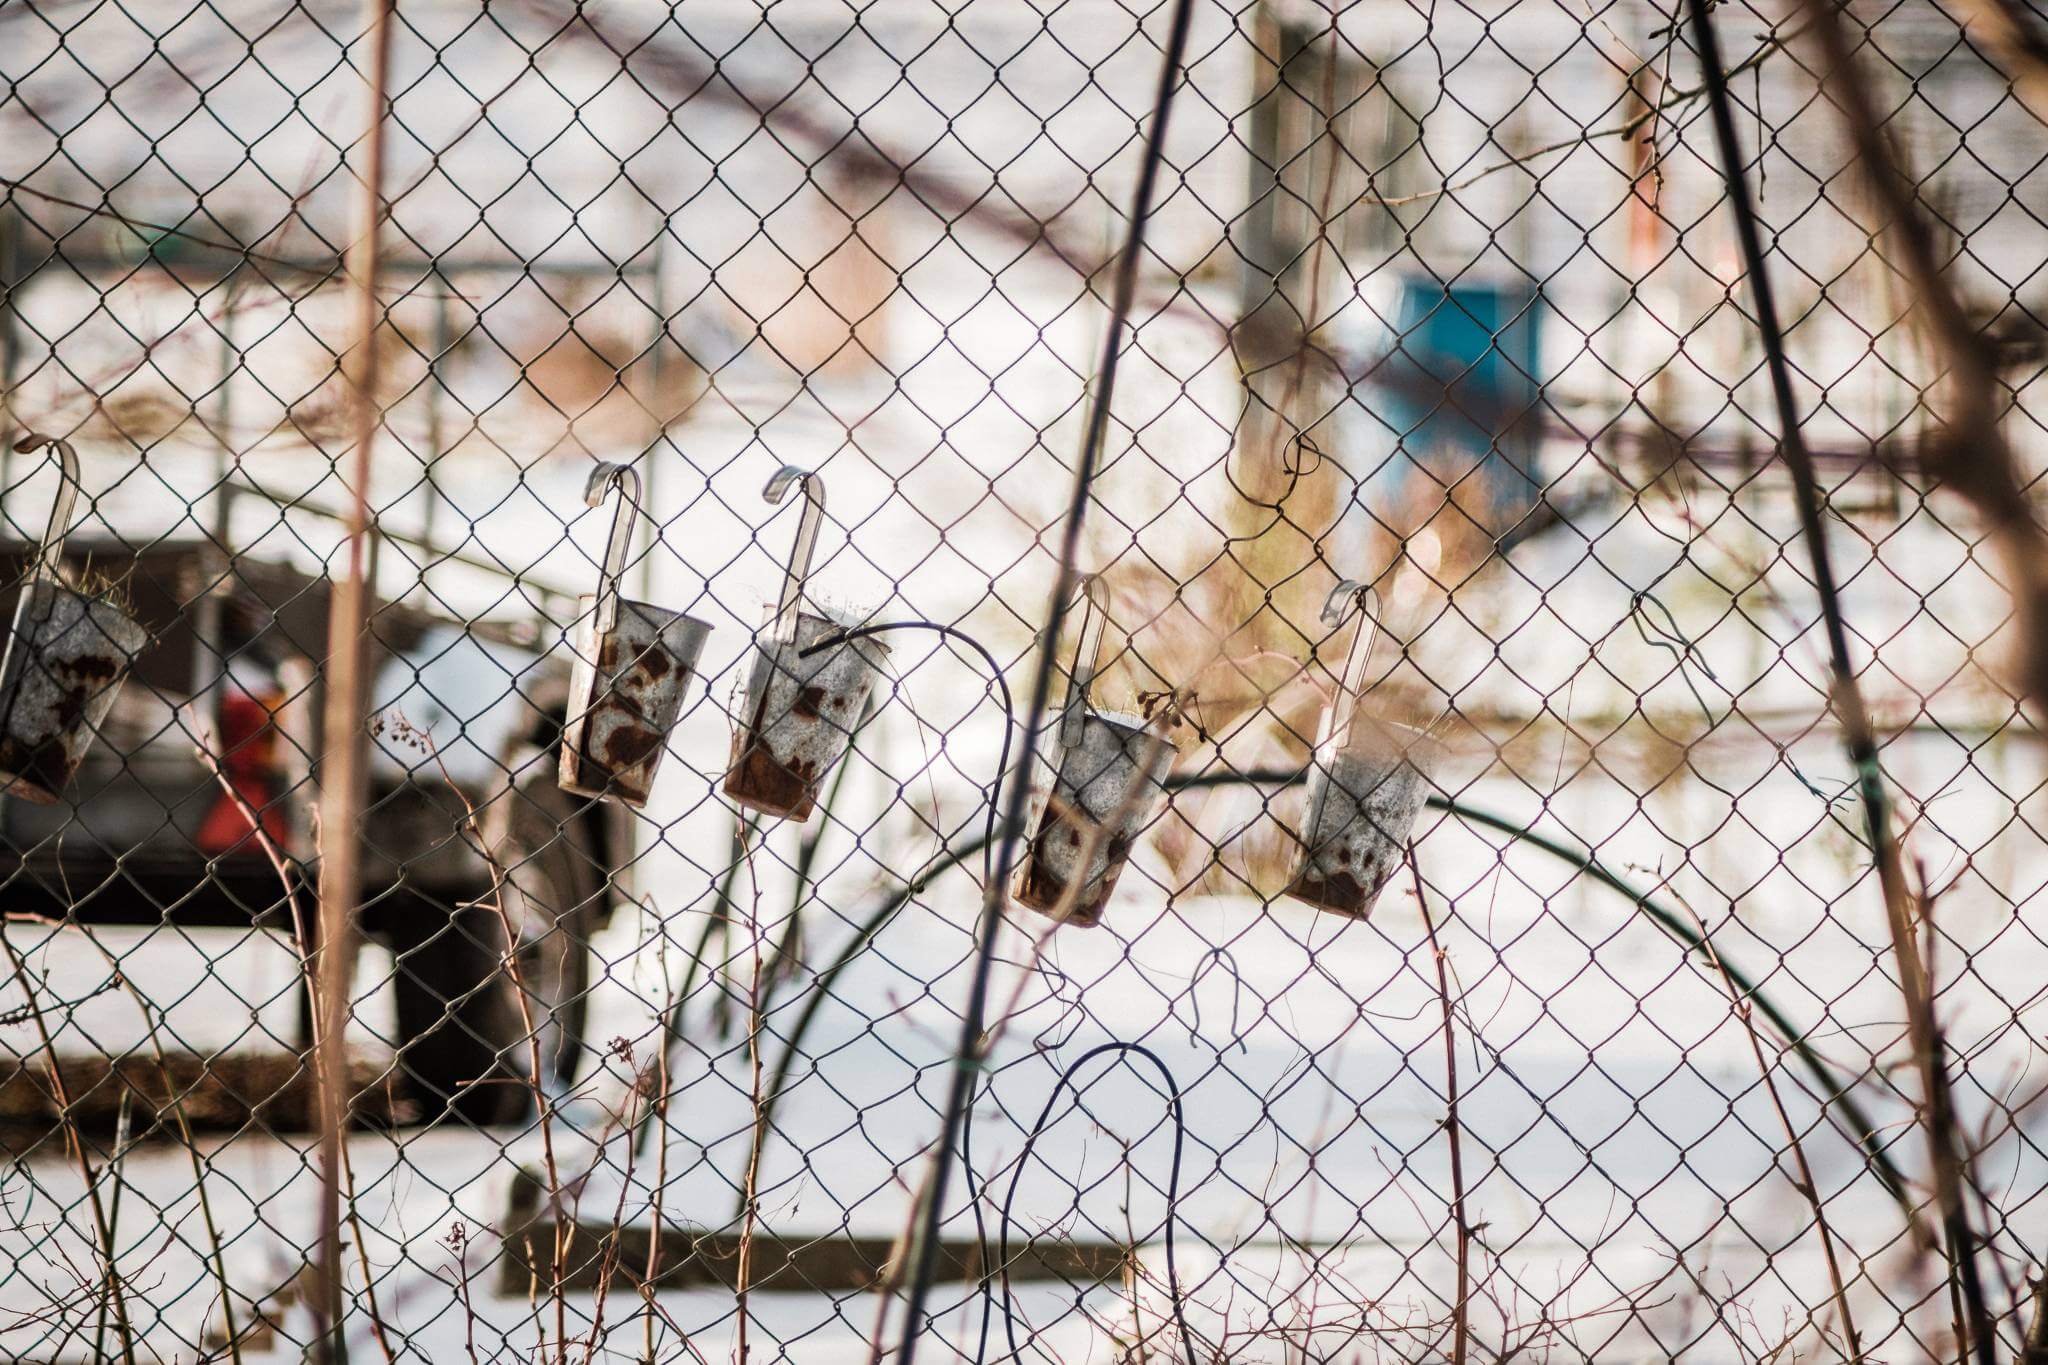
x: 1453, y: 1130
x: 1740, y: 1006
x: 74, y: 1142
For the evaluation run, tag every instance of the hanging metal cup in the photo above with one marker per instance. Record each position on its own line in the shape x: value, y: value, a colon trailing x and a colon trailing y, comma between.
x: 1365, y: 785
x: 67, y: 656
x: 634, y: 665
x: 1108, y: 777
x: 799, y: 711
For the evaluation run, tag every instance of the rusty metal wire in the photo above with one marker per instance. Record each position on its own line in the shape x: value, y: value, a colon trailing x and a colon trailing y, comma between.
x: 1410, y: 731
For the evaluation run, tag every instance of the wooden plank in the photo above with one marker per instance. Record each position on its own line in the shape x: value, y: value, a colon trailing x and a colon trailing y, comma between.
x: 692, y: 1257
x: 269, y: 1091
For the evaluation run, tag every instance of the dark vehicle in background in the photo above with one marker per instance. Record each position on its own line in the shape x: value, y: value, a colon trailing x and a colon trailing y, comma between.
x: 228, y: 694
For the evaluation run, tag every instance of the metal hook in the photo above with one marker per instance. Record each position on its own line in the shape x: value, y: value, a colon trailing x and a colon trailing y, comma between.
x: 49, y: 554
x: 603, y: 479
x: 1345, y: 596
x: 1087, y: 658
x: 799, y: 569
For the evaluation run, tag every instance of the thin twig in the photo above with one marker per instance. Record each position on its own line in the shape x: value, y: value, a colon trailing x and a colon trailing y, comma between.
x: 659, y: 1108
x: 544, y: 1103
x: 21, y: 1014
x: 1971, y: 455
x: 1973, y: 458
x: 457, y: 1240
x: 719, y: 918
x: 1460, y: 1310
x: 760, y: 991
x: 216, y: 1259
x: 1805, y: 1183
x: 965, y: 1071
x: 1846, y: 693
x: 123, y: 1122
x: 75, y: 1140
x: 1948, y: 1152
x: 202, y: 746
x: 1625, y: 129
x: 2034, y: 1347
x: 750, y: 1190
x: 609, y: 1261
x: 984, y: 1045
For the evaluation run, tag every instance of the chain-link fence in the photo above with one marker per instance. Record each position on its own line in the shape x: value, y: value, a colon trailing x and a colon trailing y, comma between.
x: 1404, y: 733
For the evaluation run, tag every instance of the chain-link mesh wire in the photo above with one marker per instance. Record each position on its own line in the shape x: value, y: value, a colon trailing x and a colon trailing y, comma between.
x: 1440, y: 302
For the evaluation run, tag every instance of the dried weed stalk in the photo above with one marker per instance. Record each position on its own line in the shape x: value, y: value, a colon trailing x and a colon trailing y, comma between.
x: 1974, y: 459
x: 74, y: 1142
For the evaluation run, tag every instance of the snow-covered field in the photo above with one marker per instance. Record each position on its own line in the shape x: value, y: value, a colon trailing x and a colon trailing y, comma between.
x: 717, y: 185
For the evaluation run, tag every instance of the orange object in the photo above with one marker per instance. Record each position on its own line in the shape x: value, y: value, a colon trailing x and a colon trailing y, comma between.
x: 248, y: 760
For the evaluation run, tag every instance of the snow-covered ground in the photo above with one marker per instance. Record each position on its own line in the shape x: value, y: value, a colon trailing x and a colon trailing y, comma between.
x: 1645, y: 682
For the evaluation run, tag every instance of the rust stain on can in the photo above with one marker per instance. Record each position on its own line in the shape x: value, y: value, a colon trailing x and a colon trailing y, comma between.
x: 629, y: 688
x: 1363, y: 801
x: 1041, y: 888
x: 799, y: 716
x: 1342, y: 895
x: 764, y: 782
x: 1093, y: 782
x: 65, y: 663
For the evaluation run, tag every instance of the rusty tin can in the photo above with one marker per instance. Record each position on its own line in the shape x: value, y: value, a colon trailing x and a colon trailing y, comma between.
x: 635, y: 662
x: 1366, y: 785
x: 802, y: 703
x: 1106, y: 786
x: 798, y: 716
x: 1363, y: 801
x: 1108, y: 778
x: 67, y: 656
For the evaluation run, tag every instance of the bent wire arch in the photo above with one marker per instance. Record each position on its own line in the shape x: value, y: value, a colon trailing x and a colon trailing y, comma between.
x: 1834, y: 1094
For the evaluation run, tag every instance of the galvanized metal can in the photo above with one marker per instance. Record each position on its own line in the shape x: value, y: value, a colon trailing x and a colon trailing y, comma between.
x: 1366, y: 785
x: 1107, y: 779
x: 805, y: 694
x: 1363, y: 801
x: 1106, y: 786
x: 67, y: 656
x: 798, y: 715
x: 633, y: 681
x: 635, y: 662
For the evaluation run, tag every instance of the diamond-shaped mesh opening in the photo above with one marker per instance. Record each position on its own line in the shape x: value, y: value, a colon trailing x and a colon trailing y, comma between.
x: 1408, y: 731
